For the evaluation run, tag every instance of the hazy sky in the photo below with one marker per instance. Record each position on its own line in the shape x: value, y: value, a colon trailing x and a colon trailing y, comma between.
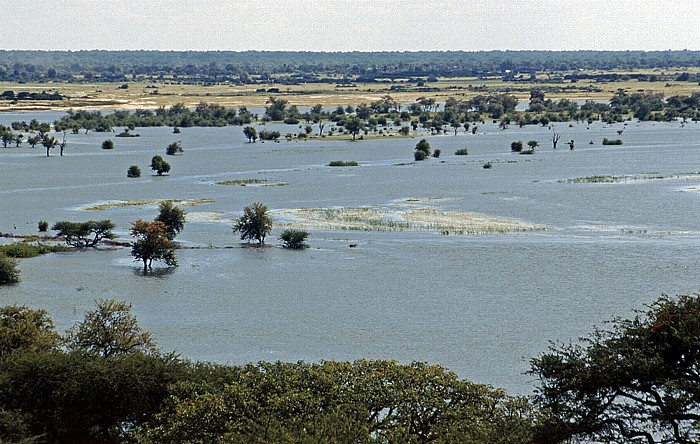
x: 350, y: 25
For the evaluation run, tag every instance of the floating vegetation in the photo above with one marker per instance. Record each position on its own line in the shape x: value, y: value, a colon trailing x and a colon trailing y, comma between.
x: 250, y: 182
x: 376, y: 218
x: 629, y: 178
x: 139, y: 203
x: 343, y: 163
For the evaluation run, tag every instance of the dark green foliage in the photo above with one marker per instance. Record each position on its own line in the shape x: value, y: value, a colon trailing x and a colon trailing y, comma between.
x: 133, y: 171
x: 251, y: 133
x: 43, y: 226
x: 516, y: 146
x: 638, y: 379
x: 342, y: 163
x: 159, y: 165
x: 461, y: 152
x: 255, y: 224
x: 84, y: 234
x: 488, y: 166
x: 172, y: 216
x: 107, y: 145
x: 437, y: 153
x: 419, y: 155
x: 269, y: 135
x: 152, y: 243
x: 174, y: 148
x: 294, y: 239
x: 25, y: 329
x: 612, y: 142
x: 9, y: 273
x: 353, y: 125
x: 423, y: 145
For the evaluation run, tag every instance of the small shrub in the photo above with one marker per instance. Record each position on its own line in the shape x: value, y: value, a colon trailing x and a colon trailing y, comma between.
x: 342, y: 163
x: 419, y: 155
x: 488, y: 165
x: 174, y: 148
x: 26, y: 251
x: 612, y: 142
x: 516, y: 147
x: 461, y: 152
x: 294, y: 239
x: 107, y: 145
x: 133, y: 171
x: 43, y: 226
x: 424, y: 146
x: 437, y: 153
x: 9, y: 274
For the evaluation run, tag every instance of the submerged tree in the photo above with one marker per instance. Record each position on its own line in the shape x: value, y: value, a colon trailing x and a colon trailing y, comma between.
x: 255, y: 224
x: 152, y: 243
x: 172, y: 216
x: 174, y: 148
x: 84, y: 234
x: 294, y: 239
x: 159, y: 165
x: 9, y: 273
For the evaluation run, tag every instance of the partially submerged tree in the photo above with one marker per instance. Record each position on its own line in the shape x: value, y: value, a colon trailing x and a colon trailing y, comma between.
x: 109, y: 330
x: 9, y: 273
x: 636, y: 382
x: 172, y: 216
x: 294, y: 239
x: 84, y: 234
x: 174, y: 148
x: 152, y: 243
x: 255, y: 224
x: 133, y: 171
x: 251, y: 133
x: 159, y: 165
x: 107, y: 145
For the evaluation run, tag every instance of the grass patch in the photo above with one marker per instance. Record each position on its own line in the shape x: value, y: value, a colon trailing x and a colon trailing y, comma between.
x: 343, y: 163
x: 612, y: 142
x: 242, y: 182
x: 629, y: 178
x: 25, y: 250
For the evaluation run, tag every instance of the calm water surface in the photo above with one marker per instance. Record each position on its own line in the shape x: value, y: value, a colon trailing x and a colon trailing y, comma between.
x: 481, y: 305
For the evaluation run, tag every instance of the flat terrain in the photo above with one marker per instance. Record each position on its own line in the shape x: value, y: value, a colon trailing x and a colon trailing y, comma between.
x: 167, y: 93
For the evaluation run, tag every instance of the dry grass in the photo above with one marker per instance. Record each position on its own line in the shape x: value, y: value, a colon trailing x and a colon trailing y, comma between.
x: 139, y: 203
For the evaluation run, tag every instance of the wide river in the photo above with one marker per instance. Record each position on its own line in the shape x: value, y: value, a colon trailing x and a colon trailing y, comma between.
x: 450, y: 284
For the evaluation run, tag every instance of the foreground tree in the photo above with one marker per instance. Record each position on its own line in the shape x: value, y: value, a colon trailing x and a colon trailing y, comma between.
x: 24, y: 329
x: 84, y: 234
x: 152, y: 243
x: 110, y: 329
x: 636, y: 382
x: 172, y: 216
x: 255, y: 224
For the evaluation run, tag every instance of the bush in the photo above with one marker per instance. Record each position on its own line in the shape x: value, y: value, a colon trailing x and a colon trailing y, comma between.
x: 294, y: 239
x: 424, y: 146
x: 342, y: 163
x: 436, y: 153
x: 612, y: 142
x: 43, y: 226
x: 419, y: 155
x: 107, y: 145
x: 461, y: 152
x: 516, y: 146
x: 25, y: 251
x: 133, y: 171
x: 174, y: 148
x: 159, y: 165
x: 9, y: 274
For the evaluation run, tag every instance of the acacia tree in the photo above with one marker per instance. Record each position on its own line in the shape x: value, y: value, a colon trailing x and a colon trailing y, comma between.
x: 109, y: 330
x: 152, y: 243
x: 255, y: 224
x: 22, y: 328
x: 636, y: 382
x: 172, y: 216
x: 84, y: 234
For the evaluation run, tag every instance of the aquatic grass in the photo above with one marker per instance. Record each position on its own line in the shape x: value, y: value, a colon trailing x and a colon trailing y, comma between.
x: 241, y: 182
x: 343, y: 163
x: 139, y: 203
x: 628, y: 178
x: 23, y: 250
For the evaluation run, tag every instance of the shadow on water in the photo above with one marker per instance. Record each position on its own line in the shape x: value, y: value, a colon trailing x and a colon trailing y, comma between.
x: 160, y: 273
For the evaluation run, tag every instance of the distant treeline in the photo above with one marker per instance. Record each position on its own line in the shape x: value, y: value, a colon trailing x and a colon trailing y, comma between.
x: 252, y: 67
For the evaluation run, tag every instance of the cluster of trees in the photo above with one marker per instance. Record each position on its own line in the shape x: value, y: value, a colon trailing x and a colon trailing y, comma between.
x: 106, y: 381
x: 24, y: 95
x: 261, y: 67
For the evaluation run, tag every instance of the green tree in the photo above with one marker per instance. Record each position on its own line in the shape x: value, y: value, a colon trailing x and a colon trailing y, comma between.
x: 353, y: 125
x: 110, y: 329
x: 294, y: 239
x: 637, y: 381
x: 174, y: 148
x: 48, y: 142
x: 533, y: 144
x: 133, y: 171
x: 172, y: 216
x: 107, y: 145
x: 152, y: 243
x: 251, y: 133
x: 84, y: 234
x: 25, y: 329
x: 159, y: 165
x: 517, y: 146
x: 254, y: 224
x: 9, y: 273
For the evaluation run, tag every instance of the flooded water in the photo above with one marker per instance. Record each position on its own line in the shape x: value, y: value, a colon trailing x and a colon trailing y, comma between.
x: 480, y: 303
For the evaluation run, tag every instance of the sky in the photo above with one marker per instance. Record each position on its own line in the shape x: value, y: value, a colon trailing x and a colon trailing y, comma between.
x: 350, y: 25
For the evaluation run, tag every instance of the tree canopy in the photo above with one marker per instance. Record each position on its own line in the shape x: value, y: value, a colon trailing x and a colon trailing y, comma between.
x: 84, y: 234
x: 172, y: 216
x: 152, y: 243
x: 254, y: 224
